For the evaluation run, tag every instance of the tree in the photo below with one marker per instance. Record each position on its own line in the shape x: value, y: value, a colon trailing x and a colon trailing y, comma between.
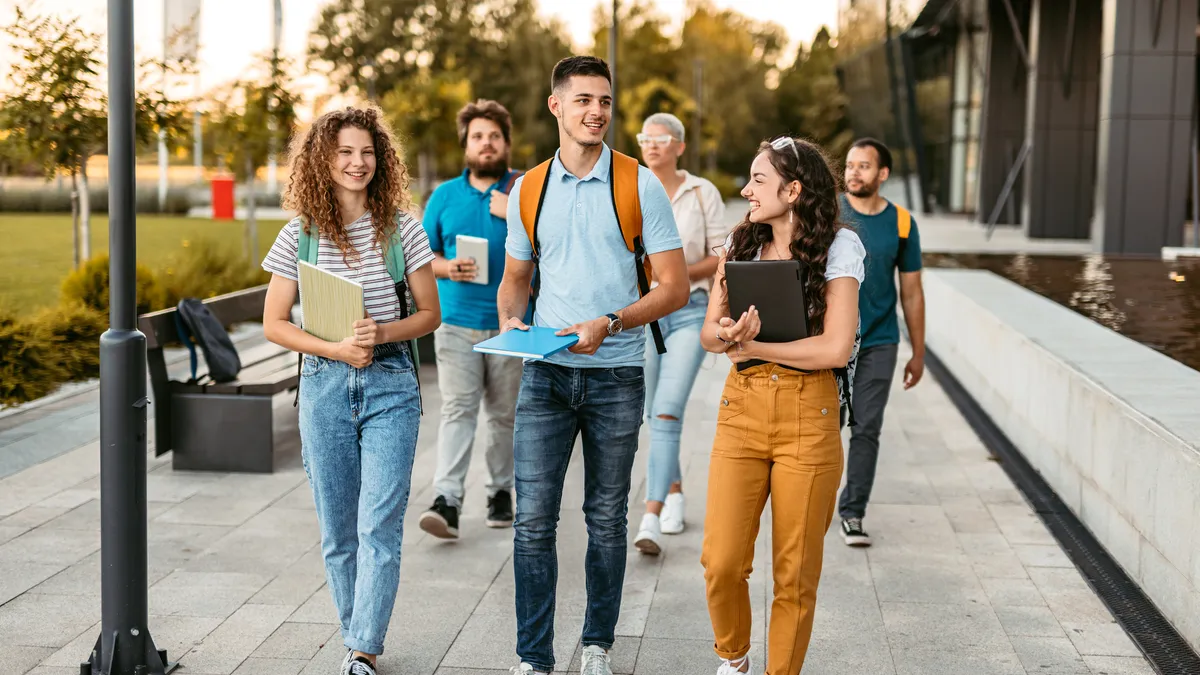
x: 740, y: 58
x: 57, y: 107
x: 501, y: 47
x: 59, y: 111
x: 251, y: 118
x: 649, y: 97
x: 645, y: 53
x: 422, y: 109
x: 516, y: 53
x: 810, y: 98
x: 372, y: 45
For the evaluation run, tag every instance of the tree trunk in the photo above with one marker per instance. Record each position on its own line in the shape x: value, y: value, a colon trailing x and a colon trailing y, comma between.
x: 74, y: 216
x: 426, y: 164
x: 251, y: 221
x: 85, y: 212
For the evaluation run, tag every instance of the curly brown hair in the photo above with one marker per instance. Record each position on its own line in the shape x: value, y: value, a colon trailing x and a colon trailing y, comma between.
x: 311, y: 191
x: 817, y: 216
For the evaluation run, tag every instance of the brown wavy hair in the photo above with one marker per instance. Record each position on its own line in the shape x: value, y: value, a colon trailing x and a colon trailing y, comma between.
x: 311, y: 192
x: 817, y: 221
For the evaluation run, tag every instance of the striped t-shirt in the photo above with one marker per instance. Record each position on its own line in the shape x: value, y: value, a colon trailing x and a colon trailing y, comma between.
x: 370, y: 270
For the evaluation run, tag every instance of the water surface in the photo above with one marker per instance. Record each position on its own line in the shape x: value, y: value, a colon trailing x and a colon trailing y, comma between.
x: 1154, y: 302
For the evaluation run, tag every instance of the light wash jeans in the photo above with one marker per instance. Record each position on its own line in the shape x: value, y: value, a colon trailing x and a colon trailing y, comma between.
x: 558, y: 404
x: 465, y: 378
x: 669, y: 380
x: 358, y: 434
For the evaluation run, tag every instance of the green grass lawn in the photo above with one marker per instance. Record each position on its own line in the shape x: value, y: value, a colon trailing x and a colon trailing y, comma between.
x: 37, y: 252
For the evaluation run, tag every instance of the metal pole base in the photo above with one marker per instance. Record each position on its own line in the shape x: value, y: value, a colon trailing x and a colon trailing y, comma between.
x: 155, y: 660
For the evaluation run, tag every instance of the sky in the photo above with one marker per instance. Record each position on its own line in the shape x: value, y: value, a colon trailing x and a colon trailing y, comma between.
x: 233, y: 31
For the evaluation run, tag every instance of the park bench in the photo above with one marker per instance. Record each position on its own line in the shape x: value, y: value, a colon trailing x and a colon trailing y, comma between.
x: 218, y: 426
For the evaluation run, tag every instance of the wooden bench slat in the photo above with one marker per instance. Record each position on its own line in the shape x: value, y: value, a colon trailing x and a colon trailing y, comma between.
x: 264, y: 372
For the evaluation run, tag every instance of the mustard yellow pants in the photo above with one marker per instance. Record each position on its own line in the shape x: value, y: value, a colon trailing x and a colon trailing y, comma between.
x: 778, y: 434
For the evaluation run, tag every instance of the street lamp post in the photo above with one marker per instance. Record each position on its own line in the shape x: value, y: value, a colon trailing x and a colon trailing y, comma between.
x: 125, y: 646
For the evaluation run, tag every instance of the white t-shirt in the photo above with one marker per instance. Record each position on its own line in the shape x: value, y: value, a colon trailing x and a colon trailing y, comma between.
x: 370, y: 270
x: 847, y: 256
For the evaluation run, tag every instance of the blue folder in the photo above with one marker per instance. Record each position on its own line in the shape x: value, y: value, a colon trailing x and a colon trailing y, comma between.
x: 535, y: 343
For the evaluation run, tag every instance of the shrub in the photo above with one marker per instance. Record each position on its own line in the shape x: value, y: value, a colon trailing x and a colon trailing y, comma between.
x: 28, y: 369
x: 207, y: 268
x: 71, y: 332
x: 88, y: 286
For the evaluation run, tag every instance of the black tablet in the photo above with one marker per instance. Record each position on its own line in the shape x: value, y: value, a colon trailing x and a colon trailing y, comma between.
x: 776, y: 288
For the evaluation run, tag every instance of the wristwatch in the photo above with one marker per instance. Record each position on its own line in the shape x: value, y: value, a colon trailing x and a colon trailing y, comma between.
x: 614, y: 325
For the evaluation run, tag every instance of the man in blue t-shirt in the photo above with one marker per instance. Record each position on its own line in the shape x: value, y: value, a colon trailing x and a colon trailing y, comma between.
x: 588, y: 286
x: 890, y: 236
x: 472, y: 205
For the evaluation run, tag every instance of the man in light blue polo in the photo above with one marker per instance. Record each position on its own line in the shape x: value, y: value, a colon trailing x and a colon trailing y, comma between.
x: 472, y: 205
x: 588, y: 285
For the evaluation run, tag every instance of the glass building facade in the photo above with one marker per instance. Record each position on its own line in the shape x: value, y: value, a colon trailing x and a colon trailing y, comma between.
x: 919, y: 87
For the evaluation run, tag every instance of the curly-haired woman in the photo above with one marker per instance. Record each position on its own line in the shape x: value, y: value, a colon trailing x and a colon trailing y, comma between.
x: 359, y: 402
x: 778, y: 425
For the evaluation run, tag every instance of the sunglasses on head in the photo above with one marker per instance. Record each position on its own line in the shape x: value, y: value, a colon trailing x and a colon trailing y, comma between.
x: 786, y: 142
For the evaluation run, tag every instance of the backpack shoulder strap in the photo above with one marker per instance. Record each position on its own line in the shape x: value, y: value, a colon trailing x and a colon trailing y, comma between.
x: 623, y: 180
x: 903, y: 221
x: 394, y: 256
x: 533, y: 194
x: 308, y: 245
x: 513, y: 175
x: 903, y: 227
x: 626, y: 201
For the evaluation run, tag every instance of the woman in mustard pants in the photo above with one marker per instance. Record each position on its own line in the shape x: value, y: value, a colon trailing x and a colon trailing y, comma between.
x: 779, y: 422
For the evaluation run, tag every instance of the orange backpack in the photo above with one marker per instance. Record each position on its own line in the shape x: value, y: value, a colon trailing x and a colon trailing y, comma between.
x: 623, y: 181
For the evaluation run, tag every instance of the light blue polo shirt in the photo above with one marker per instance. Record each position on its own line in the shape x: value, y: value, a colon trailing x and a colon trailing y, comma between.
x: 587, y: 271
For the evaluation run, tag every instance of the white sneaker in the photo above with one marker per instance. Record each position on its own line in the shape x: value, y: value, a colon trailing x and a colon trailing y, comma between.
x: 672, y: 514
x: 735, y: 666
x: 648, y: 536
x: 345, y: 669
x: 525, y: 669
x: 595, y: 661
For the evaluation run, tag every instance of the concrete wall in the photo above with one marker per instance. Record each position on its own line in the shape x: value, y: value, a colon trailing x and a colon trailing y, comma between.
x: 1113, y: 426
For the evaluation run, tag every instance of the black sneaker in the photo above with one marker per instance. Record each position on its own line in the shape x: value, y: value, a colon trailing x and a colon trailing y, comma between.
x: 500, y: 510
x: 441, y: 520
x: 854, y: 534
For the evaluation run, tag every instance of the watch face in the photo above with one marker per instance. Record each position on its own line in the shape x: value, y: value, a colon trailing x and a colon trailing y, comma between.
x: 614, y: 326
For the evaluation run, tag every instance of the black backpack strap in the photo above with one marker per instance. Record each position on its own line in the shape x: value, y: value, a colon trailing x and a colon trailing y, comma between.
x: 537, y: 271
x: 402, y: 297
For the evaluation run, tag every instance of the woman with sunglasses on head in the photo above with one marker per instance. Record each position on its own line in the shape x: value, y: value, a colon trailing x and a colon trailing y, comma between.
x: 778, y: 425
x: 699, y: 214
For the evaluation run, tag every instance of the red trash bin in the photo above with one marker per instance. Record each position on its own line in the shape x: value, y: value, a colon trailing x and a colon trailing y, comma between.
x: 222, y: 198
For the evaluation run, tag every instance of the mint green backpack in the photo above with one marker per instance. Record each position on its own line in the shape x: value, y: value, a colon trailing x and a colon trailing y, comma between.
x: 393, y: 258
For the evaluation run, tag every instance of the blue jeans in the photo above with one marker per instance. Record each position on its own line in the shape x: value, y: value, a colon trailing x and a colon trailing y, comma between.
x: 555, y: 405
x: 669, y: 380
x: 358, y: 433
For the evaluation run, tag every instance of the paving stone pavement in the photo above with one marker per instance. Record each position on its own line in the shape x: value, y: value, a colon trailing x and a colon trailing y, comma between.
x: 963, y: 578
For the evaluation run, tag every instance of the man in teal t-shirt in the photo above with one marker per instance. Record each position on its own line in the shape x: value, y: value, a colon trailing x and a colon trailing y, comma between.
x: 890, y: 236
x: 474, y: 205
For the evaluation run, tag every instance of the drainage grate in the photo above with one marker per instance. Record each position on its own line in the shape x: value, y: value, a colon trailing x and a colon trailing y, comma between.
x: 1162, y: 645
